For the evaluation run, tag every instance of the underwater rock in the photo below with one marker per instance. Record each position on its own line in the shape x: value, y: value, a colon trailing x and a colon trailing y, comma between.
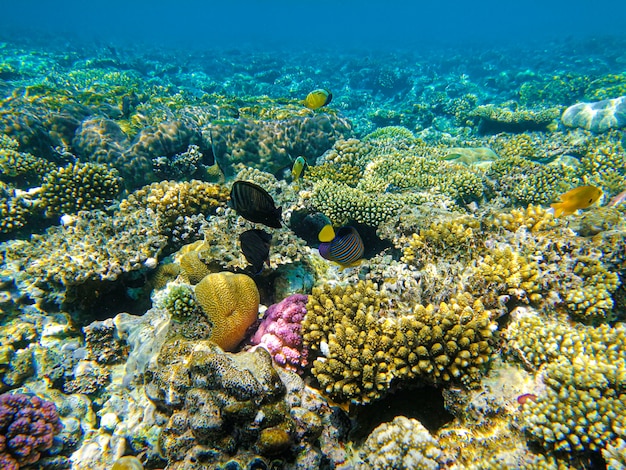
x: 599, y: 116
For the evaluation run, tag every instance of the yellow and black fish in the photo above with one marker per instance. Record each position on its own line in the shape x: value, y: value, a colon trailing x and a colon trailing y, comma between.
x: 255, y: 246
x: 346, y: 248
x: 255, y: 204
x: 318, y: 98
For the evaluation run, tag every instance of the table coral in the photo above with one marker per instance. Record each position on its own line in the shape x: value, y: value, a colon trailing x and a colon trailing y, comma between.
x: 280, y: 332
x: 231, y: 302
x: 28, y: 425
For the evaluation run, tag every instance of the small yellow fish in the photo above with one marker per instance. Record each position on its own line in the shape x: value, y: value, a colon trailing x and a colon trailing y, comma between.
x: 577, y: 198
x: 297, y: 168
x: 318, y: 98
x: 326, y: 234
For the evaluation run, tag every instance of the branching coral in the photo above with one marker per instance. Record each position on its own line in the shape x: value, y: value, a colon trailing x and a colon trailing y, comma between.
x: 78, y: 186
x: 362, y: 352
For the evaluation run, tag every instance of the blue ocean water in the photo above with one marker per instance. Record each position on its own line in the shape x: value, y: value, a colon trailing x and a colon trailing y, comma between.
x: 334, y: 25
x: 469, y: 156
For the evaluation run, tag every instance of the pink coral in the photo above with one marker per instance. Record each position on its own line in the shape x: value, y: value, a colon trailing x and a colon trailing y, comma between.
x: 280, y: 332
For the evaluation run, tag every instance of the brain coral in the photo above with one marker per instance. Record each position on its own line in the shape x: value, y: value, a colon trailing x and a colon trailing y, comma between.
x: 218, y: 404
x: 599, y: 116
x: 231, y: 302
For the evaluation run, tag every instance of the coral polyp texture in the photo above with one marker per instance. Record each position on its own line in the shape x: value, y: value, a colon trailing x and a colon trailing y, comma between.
x: 599, y: 116
x: 78, y: 186
x: 359, y: 352
x: 280, y: 332
x: 28, y: 426
x: 231, y: 303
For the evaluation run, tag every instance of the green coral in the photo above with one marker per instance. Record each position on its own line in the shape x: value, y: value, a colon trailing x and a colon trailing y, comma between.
x: 78, y: 186
x: 180, y: 303
x: 360, y: 352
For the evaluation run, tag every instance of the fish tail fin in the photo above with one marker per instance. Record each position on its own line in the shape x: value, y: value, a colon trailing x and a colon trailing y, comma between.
x: 558, y: 209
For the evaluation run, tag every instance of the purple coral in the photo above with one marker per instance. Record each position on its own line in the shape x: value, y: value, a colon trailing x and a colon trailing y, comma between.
x: 280, y: 332
x: 28, y: 425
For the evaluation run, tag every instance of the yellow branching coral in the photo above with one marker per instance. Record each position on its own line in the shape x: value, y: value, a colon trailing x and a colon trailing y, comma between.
x: 534, y: 218
x: 361, y: 351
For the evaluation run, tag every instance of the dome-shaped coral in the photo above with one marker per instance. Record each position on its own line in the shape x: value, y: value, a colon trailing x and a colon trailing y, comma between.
x: 231, y: 301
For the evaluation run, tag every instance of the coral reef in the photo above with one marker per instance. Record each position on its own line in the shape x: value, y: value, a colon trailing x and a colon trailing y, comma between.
x: 280, y: 332
x: 599, y: 116
x: 360, y: 350
x: 403, y: 443
x: 218, y: 404
x: 509, y: 118
x: 78, y: 186
x: 28, y: 425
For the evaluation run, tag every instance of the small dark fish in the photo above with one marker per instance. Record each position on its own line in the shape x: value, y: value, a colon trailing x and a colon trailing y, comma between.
x: 255, y: 245
x: 346, y: 248
x: 255, y: 204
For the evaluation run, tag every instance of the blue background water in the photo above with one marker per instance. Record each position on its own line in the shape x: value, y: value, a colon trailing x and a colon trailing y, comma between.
x: 326, y: 24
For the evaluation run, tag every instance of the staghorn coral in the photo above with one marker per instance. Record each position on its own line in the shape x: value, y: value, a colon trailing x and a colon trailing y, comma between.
x: 360, y: 352
x: 231, y: 303
x: 78, y: 186
x: 28, y: 425
x: 401, y: 444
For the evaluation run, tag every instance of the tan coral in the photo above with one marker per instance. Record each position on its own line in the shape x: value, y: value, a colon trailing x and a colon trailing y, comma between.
x: 231, y: 301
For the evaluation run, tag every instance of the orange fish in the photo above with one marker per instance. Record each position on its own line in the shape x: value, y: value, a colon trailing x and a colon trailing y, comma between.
x: 577, y: 198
